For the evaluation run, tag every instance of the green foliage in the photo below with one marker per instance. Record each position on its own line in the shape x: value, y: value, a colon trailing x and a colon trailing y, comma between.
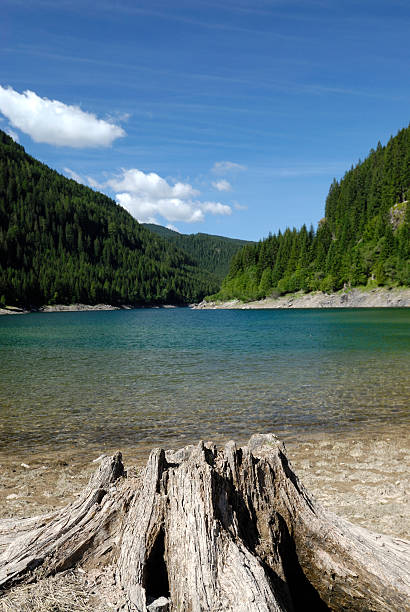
x: 364, y: 238
x: 211, y: 253
x: 63, y: 242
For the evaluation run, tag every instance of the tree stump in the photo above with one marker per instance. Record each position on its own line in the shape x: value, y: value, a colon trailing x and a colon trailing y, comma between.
x: 208, y: 529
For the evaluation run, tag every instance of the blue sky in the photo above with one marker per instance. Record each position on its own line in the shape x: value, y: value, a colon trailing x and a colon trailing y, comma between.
x: 227, y: 117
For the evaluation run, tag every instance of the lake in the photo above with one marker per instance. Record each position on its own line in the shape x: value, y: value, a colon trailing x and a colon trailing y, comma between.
x: 89, y: 382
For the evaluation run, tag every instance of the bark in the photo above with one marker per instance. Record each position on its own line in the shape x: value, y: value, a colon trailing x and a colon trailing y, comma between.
x: 208, y: 529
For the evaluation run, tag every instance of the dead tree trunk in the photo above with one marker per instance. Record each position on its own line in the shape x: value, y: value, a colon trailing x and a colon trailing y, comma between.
x: 204, y: 529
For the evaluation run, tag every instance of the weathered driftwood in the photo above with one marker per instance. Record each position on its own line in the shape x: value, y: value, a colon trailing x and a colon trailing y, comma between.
x: 204, y: 529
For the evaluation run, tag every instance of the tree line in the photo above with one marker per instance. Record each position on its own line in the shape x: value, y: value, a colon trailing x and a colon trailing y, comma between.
x: 211, y: 253
x: 61, y: 242
x: 364, y: 238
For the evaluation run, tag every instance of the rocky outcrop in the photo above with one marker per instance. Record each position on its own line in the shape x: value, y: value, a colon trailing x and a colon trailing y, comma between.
x: 352, y: 298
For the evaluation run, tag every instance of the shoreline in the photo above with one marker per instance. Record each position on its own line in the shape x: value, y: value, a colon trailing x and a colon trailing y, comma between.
x: 397, y: 297
x: 354, y: 298
x: 14, y: 310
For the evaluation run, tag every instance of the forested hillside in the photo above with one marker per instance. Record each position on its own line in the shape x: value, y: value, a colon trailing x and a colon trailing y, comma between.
x: 211, y: 253
x: 61, y: 242
x: 364, y: 238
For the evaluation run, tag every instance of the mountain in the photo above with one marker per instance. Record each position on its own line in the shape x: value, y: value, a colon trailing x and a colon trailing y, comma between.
x: 364, y: 238
x: 211, y: 253
x: 62, y: 242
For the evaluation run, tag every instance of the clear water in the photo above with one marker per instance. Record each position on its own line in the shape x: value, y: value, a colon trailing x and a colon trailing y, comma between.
x: 93, y: 381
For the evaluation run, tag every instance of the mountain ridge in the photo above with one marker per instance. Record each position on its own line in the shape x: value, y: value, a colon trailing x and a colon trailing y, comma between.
x: 62, y: 242
x: 211, y: 252
x: 363, y: 239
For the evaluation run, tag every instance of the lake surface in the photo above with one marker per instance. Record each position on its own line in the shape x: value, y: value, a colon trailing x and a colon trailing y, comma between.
x: 85, y: 382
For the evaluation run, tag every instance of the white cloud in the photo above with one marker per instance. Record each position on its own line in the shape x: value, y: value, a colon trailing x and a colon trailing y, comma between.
x: 93, y: 183
x: 88, y: 181
x: 222, y: 185
x: 172, y: 209
x: 147, y: 196
x: 12, y: 134
x: 222, y: 167
x: 54, y: 122
x: 150, y: 185
x: 173, y: 228
x: 118, y: 116
x: 216, y: 208
x: 73, y: 175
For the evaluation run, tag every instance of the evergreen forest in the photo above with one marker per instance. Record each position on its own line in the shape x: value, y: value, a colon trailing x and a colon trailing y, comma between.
x: 364, y: 238
x: 62, y: 242
x: 211, y: 253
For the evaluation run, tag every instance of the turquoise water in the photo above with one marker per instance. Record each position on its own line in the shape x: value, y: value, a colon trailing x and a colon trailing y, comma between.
x: 87, y: 381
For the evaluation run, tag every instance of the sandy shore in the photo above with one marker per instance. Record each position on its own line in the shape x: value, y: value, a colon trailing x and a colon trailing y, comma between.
x: 358, y: 476
x: 355, y: 298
